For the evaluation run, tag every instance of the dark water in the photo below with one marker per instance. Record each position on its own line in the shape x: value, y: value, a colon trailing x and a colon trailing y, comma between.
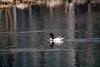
x: 27, y: 44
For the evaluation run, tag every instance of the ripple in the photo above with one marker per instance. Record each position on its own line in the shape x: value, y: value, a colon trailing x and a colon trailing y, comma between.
x: 84, y: 40
x: 33, y: 50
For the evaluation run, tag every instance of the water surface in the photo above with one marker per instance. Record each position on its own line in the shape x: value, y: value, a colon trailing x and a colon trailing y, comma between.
x: 24, y: 37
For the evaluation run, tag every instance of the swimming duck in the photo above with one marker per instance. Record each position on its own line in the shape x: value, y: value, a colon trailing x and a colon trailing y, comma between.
x: 58, y: 40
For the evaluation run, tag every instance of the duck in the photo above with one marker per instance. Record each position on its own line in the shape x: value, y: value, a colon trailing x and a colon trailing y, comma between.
x: 58, y: 40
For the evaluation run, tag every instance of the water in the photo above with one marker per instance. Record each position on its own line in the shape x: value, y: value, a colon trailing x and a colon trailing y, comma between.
x: 24, y: 37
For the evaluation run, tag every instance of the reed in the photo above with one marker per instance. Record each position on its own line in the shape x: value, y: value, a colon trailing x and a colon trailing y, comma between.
x: 0, y: 31
x: 48, y: 3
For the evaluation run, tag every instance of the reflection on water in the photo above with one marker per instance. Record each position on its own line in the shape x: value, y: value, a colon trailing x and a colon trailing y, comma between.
x: 24, y: 37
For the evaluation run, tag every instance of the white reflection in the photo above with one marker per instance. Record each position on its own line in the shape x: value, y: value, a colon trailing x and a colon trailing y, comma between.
x: 53, y: 3
x: 71, y: 33
x: 21, y: 5
x: 40, y: 2
x: 66, y: 7
x: 71, y: 21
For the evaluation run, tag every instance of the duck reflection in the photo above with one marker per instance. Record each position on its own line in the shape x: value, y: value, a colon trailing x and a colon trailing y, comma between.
x: 42, y: 59
x: 10, y: 60
x: 39, y: 59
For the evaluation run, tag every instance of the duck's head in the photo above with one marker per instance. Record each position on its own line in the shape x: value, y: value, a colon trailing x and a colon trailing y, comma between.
x: 51, y: 35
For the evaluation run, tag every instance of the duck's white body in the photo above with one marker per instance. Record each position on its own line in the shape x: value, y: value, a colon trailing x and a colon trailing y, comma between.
x: 57, y: 40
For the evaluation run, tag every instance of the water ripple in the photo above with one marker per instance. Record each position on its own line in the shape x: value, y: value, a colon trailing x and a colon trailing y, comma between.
x: 32, y: 50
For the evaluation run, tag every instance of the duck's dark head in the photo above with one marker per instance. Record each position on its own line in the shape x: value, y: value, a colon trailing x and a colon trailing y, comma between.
x: 51, y: 35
